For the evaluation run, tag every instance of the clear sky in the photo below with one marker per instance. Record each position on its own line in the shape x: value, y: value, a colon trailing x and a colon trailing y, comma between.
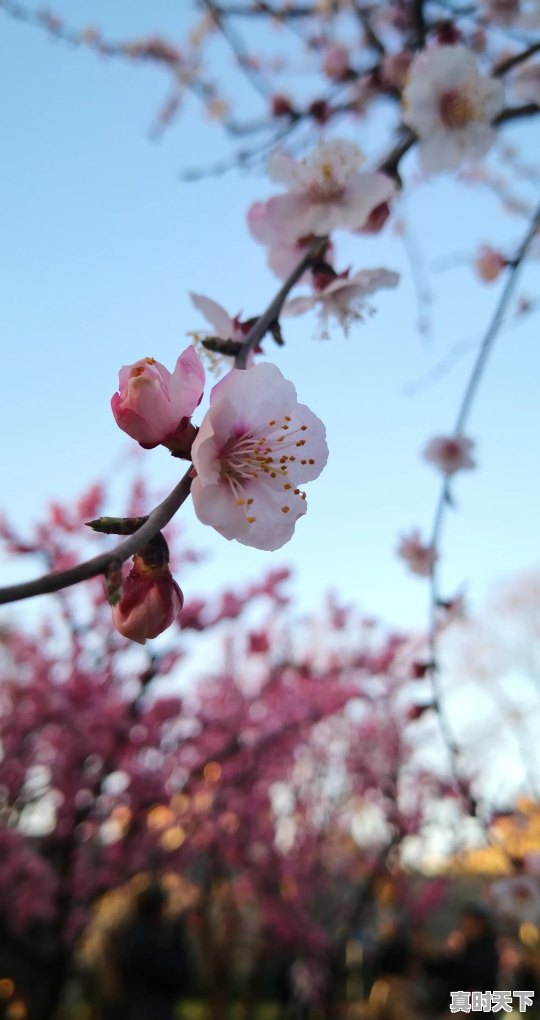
x: 100, y: 244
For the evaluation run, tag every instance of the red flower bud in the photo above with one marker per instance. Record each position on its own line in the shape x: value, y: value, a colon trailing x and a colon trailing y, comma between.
x: 320, y: 110
x: 151, y: 600
x: 281, y: 106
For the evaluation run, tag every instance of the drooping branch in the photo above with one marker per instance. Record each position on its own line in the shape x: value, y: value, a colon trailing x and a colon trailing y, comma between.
x: 444, y: 500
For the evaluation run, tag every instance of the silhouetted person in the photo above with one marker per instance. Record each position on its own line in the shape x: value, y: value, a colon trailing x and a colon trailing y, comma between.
x: 392, y: 993
x: 473, y: 965
x: 152, y: 960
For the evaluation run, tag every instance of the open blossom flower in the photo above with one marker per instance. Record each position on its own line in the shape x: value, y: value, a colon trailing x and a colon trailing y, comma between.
x: 284, y: 254
x: 151, y: 600
x: 451, y: 107
x: 419, y: 558
x: 153, y: 404
x: 342, y: 297
x: 517, y: 897
x: 224, y: 327
x: 255, y: 447
x: 450, y: 454
x: 327, y: 191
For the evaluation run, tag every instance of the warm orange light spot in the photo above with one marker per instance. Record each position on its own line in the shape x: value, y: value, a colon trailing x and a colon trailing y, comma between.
x: 122, y: 815
x: 6, y: 988
x: 16, y: 1010
x: 212, y: 772
x: 180, y: 802
x: 529, y: 934
x: 173, y: 838
x: 159, y: 817
x: 288, y: 888
x: 202, y: 801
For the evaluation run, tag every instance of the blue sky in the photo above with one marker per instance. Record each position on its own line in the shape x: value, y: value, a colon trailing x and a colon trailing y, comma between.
x: 100, y: 244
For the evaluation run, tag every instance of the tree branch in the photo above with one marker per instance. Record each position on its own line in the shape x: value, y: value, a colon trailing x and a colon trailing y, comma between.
x: 444, y: 500
x: 157, y: 520
x: 518, y: 58
x: 261, y: 327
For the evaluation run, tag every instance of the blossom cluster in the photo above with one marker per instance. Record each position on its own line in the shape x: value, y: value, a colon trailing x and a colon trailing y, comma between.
x: 256, y: 445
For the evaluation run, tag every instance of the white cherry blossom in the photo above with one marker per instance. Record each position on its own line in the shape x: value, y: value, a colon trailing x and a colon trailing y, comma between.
x: 451, y: 107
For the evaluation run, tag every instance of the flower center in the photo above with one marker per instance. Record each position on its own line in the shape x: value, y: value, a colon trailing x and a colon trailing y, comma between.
x: 250, y: 458
x: 456, y: 109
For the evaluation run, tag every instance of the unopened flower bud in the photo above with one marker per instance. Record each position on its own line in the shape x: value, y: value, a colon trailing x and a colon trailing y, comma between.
x: 151, y: 600
x: 154, y: 405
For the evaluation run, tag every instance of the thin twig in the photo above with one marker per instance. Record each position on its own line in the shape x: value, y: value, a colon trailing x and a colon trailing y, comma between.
x: 444, y: 500
x: 518, y: 58
x: 236, y: 44
x: 56, y: 580
x: 261, y: 327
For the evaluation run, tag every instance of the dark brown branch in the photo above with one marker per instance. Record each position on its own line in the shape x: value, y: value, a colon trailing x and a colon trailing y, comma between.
x: 272, y: 313
x: 418, y: 24
x: 517, y: 112
x: 518, y: 58
x: 391, y: 162
x: 371, y: 36
x: 157, y: 520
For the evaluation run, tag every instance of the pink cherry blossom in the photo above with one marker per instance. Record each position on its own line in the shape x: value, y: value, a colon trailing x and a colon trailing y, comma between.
x: 450, y: 454
x: 503, y: 12
x: 395, y: 67
x: 327, y: 191
x: 151, y: 600
x: 223, y: 326
x: 342, y: 297
x: 451, y: 107
x: 255, y: 446
x: 336, y: 62
x: 489, y: 263
x: 284, y: 254
x: 152, y: 404
x: 420, y: 558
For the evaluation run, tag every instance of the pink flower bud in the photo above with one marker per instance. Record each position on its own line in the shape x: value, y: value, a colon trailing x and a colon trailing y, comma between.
x: 152, y: 404
x: 417, y: 711
x: 320, y: 110
x: 281, y: 106
x: 151, y: 601
x: 489, y: 263
x: 336, y: 62
x: 450, y: 454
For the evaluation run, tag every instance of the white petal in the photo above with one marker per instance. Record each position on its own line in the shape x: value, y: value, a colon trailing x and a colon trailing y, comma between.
x: 300, y: 305
x: 214, y: 314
